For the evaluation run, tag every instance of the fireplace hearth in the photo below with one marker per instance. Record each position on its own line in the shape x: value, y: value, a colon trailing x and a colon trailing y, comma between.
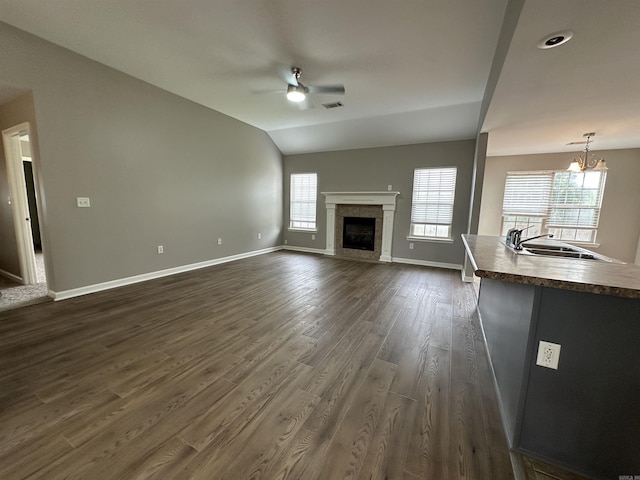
x: 359, y: 233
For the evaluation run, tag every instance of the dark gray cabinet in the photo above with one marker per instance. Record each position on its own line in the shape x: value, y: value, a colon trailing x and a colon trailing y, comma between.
x: 585, y: 416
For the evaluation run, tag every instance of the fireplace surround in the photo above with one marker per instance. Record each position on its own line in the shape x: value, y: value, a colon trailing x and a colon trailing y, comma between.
x: 385, y: 200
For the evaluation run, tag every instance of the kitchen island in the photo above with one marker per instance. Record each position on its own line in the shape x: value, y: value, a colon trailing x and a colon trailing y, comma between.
x: 584, y: 415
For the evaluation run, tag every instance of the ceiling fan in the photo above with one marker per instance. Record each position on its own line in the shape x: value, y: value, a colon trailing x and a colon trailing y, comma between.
x: 297, y: 91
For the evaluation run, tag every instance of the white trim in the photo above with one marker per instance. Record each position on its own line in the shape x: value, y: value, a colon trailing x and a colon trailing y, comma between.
x: 20, y: 203
x: 386, y: 199
x: 361, y: 198
x: 407, y: 261
x: 99, y: 287
x: 430, y: 239
x: 302, y: 230
x: 318, y: 251
x: 466, y: 278
x: 427, y: 263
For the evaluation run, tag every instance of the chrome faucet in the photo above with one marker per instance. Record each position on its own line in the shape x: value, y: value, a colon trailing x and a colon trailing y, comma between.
x: 519, y: 242
x: 513, y: 236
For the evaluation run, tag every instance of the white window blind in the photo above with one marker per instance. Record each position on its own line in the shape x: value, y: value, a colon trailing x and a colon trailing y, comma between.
x: 567, y: 203
x: 527, y: 193
x: 432, y: 202
x: 576, y: 199
x: 303, y: 193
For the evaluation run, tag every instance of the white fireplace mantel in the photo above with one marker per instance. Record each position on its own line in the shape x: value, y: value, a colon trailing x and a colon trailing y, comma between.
x: 386, y: 199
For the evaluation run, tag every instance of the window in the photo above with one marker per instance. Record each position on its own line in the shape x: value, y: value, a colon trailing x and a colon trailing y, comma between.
x: 432, y: 203
x: 575, y: 205
x: 526, y: 201
x: 566, y: 204
x: 303, y: 193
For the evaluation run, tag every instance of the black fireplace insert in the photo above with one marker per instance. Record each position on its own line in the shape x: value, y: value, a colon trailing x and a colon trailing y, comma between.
x: 359, y: 233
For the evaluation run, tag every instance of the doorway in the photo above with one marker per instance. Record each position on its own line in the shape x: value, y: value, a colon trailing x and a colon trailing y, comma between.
x: 31, y: 283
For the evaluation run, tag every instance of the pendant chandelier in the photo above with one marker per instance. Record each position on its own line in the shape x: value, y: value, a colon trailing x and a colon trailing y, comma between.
x: 581, y: 163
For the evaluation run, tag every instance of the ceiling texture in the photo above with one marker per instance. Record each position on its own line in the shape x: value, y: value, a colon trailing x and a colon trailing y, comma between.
x: 414, y: 71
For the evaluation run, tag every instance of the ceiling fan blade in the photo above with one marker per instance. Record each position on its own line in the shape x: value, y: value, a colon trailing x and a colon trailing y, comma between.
x: 327, y: 89
x: 269, y: 91
x: 577, y: 143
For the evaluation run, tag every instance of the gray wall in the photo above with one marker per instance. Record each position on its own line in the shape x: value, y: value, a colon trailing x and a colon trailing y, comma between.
x: 12, y: 113
x: 619, y: 227
x: 373, y: 169
x: 160, y: 170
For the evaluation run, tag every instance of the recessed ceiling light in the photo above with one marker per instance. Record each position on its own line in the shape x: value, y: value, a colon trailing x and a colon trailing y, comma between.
x: 555, y: 39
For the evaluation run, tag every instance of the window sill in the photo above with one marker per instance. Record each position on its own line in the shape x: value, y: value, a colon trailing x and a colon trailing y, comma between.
x: 429, y: 239
x: 301, y: 230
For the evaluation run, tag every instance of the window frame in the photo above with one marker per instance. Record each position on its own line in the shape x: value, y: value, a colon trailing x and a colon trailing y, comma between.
x: 428, y: 213
x: 562, y: 231
x: 311, y: 199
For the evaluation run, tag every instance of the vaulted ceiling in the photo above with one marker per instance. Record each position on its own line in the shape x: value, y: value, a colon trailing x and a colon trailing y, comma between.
x: 414, y: 71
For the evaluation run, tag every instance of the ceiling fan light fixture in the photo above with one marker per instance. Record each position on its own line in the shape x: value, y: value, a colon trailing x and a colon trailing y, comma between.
x: 296, y: 93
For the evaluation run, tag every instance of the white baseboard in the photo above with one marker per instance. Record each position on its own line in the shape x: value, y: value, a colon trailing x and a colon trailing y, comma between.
x: 408, y: 261
x: 11, y: 276
x: 319, y: 251
x: 427, y: 263
x: 99, y: 287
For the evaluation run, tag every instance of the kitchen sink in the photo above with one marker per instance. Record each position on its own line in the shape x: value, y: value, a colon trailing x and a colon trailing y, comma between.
x: 546, y: 246
x: 560, y: 250
x: 568, y: 253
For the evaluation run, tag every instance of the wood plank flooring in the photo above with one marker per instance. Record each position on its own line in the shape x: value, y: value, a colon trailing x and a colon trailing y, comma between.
x: 280, y: 366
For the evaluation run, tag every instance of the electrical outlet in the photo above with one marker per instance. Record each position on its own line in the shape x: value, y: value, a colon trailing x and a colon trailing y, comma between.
x: 259, y: 236
x: 219, y: 241
x: 389, y: 187
x: 411, y: 246
x: 286, y: 242
x: 83, y: 202
x: 160, y: 249
x: 548, y: 355
x: 313, y: 237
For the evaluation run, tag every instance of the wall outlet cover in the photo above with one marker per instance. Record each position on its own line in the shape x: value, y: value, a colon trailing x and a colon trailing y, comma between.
x: 548, y: 355
x: 83, y: 202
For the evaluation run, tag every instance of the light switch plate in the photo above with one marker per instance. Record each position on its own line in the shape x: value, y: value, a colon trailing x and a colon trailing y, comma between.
x: 83, y: 202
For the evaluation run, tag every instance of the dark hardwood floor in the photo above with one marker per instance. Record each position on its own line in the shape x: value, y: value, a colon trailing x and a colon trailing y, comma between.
x: 280, y: 366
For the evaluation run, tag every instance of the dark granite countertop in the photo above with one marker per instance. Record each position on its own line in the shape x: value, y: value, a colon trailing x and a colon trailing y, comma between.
x: 492, y: 259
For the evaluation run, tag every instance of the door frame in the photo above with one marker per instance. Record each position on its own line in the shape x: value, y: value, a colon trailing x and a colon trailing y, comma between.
x: 19, y: 201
